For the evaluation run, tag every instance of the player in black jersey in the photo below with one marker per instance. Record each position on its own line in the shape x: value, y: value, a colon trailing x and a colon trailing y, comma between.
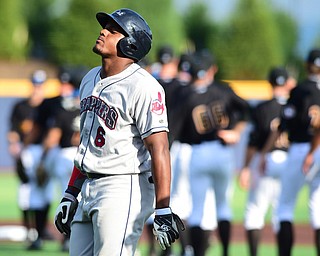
x: 60, y: 142
x: 175, y: 90
x: 21, y: 121
x: 174, y: 76
x: 41, y: 145
x: 300, y: 116
x: 262, y: 170
x: 212, y: 118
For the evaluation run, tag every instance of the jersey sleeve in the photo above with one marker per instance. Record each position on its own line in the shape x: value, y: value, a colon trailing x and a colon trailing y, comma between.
x: 14, y: 119
x: 150, y: 112
x: 254, y: 135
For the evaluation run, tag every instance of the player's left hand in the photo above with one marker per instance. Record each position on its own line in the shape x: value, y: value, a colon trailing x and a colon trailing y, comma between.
x: 166, y: 228
x: 65, y: 213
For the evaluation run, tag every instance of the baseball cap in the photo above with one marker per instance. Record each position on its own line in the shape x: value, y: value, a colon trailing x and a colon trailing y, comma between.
x: 38, y: 77
x: 278, y: 76
x: 201, y: 61
x: 165, y: 54
x: 314, y: 57
x: 185, y: 62
x: 72, y: 74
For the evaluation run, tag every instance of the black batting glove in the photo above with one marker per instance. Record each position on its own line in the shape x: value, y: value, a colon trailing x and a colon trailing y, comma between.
x: 166, y: 227
x: 65, y: 213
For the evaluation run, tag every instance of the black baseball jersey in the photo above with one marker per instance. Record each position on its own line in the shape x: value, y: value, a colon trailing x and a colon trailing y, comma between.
x: 64, y: 120
x: 46, y: 113
x: 21, y: 119
x: 206, y: 110
x: 303, y: 103
x: 265, y: 119
x: 175, y: 91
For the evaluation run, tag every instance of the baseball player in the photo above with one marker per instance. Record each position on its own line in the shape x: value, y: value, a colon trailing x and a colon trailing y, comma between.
x: 123, y: 159
x: 212, y: 119
x: 59, y: 160
x: 21, y: 121
x: 300, y: 116
x: 174, y: 87
x: 164, y: 70
x: 262, y: 168
x: 41, y: 145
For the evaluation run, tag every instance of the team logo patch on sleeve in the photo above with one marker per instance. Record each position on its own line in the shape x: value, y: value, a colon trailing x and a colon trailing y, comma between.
x: 289, y: 112
x: 157, y: 105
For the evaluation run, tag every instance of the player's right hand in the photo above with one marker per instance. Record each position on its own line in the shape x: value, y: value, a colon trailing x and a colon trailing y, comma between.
x: 65, y: 213
x: 166, y: 228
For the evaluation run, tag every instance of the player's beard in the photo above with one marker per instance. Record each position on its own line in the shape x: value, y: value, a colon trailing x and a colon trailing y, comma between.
x: 99, y: 50
x: 96, y: 50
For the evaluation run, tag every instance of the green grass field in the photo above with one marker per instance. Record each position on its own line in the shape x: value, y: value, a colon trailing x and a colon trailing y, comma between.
x: 52, y: 249
x: 10, y: 212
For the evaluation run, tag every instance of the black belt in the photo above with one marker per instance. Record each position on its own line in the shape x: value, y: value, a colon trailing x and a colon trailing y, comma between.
x: 91, y: 175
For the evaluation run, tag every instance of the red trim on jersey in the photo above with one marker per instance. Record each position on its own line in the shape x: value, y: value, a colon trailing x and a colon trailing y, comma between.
x: 76, y: 175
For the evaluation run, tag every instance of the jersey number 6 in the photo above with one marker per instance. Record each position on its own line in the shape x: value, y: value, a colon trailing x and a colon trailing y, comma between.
x: 100, y: 140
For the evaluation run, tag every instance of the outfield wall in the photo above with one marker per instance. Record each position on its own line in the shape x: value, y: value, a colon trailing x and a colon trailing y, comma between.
x: 250, y: 90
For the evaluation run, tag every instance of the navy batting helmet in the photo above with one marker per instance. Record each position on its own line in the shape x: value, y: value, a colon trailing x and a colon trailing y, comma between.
x: 138, y: 36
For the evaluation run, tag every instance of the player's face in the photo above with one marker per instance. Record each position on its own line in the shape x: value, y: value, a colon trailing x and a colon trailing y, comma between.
x: 106, y: 43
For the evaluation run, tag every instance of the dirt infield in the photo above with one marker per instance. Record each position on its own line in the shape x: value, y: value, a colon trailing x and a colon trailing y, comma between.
x: 303, y: 233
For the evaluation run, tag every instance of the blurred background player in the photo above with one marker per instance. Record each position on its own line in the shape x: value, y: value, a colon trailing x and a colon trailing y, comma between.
x: 64, y: 126
x: 64, y: 132
x: 300, y: 114
x: 176, y: 91
x: 41, y: 145
x: 212, y: 120
x: 165, y: 70
x: 174, y: 78
x: 21, y: 122
x: 165, y: 67
x: 262, y: 170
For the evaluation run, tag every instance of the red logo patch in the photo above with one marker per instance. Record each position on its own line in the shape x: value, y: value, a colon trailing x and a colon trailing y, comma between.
x: 157, y: 105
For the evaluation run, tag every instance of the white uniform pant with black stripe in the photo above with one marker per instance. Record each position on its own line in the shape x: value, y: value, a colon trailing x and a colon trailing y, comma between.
x: 111, y: 215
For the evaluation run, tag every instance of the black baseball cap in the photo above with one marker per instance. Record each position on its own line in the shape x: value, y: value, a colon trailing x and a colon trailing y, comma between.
x: 165, y: 54
x: 278, y: 76
x: 201, y: 61
x: 185, y: 62
x: 314, y: 57
x: 38, y: 77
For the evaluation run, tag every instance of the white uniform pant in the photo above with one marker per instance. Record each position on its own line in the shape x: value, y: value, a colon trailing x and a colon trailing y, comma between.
x: 293, y: 180
x: 111, y: 215
x: 211, y: 169
x: 63, y: 168
x: 31, y: 195
x: 181, y: 199
x: 264, y: 190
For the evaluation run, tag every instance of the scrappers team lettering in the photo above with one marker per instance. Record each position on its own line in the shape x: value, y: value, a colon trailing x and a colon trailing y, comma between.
x: 100, y: 108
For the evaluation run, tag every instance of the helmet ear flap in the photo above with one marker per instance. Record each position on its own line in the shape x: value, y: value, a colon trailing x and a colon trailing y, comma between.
x: 128, y: 47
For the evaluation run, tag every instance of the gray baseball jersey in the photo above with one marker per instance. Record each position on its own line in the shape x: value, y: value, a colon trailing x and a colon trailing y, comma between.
x: 117, y: 113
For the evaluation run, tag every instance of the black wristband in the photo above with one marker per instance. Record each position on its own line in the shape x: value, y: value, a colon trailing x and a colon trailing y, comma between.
x: 73, y: 191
